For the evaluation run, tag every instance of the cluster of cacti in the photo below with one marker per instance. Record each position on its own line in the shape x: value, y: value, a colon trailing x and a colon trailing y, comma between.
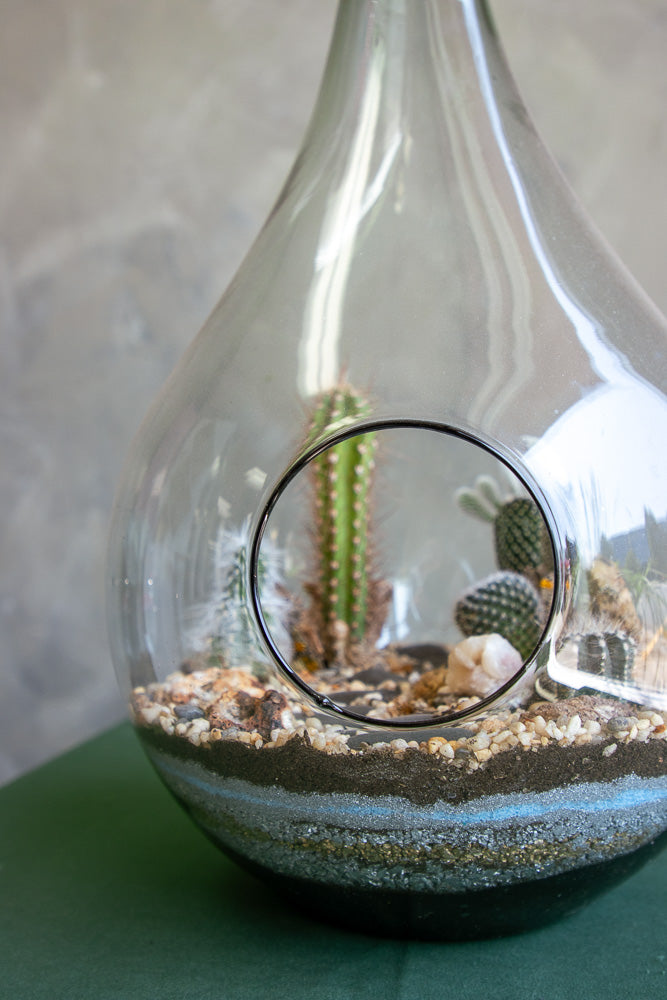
x: 643, y: 581
x: 610, y: 598
x: 600, y: 653
x: 611, y: 654
x: 345, y: 598
x: 505, y: 603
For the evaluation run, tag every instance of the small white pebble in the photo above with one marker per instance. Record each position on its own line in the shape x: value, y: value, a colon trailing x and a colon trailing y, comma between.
x: 399, y: 744
x: 199, y: 725
x: 502, y: 736
x: 540, y: 725
x: 608, y: 751
x: 151, y: 713
x: 492, y: 725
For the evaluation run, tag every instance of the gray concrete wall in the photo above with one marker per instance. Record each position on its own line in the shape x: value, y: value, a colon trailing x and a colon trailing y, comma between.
x: 142, y: 146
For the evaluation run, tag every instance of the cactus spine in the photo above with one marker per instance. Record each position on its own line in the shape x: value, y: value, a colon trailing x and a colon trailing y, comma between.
x: 344, y: 595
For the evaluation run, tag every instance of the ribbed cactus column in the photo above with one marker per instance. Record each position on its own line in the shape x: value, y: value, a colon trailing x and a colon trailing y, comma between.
x: 344, y: 595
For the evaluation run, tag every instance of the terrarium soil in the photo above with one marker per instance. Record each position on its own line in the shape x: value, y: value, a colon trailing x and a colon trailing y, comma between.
x: 416, y: 776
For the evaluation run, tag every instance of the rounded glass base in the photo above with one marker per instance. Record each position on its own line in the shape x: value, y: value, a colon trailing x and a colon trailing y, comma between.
x: 468, y: 916
x: 395, y: 840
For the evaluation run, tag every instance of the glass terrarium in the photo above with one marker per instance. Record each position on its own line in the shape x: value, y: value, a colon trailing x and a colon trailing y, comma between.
x: 388, y: 568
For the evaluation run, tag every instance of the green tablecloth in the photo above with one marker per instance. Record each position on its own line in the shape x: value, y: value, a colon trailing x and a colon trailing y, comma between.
x: 108, y: 890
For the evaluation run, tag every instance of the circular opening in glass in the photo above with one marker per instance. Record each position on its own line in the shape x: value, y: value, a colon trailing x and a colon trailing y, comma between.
x: 418, y: 574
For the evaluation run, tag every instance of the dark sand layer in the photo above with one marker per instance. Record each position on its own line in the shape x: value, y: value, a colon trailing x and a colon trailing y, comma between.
x: 420, y: 777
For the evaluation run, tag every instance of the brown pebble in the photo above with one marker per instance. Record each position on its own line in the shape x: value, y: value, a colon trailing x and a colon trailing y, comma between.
x: 586, y: 706
x: 429, y: 684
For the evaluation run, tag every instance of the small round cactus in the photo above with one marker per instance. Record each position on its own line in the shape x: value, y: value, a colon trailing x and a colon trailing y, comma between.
x: 520, y: 535
x: 505, y: 603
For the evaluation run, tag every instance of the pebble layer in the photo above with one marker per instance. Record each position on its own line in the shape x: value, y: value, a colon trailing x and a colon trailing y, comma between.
x: 210, y: 706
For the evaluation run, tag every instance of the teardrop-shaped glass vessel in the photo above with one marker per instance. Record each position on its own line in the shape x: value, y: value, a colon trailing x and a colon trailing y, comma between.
x: 388, y: 567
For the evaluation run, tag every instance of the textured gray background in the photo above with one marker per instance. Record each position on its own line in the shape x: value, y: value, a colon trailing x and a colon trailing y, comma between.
x: 142, y: 146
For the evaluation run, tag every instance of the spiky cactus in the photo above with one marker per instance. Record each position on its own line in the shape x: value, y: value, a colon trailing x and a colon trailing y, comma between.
x: 225, y: 627
x: 608, y: 653
x: 345, y: 597
x: 520, y: 536
x: 610, y: 597
x: 506, y: 603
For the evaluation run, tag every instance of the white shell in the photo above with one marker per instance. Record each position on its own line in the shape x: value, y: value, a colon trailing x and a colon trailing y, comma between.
x: 481, y: 664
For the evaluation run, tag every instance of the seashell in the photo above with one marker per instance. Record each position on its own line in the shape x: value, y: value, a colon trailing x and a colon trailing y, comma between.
x: 481, y: 664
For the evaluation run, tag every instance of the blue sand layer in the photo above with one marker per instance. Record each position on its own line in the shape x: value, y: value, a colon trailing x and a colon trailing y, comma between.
x: 391, y: 843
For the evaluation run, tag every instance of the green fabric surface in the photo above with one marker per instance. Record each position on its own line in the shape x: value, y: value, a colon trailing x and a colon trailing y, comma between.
x: 108, y: 890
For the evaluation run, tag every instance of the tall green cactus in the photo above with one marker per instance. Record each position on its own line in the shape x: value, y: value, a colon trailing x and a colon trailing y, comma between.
x: 344, y: 596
